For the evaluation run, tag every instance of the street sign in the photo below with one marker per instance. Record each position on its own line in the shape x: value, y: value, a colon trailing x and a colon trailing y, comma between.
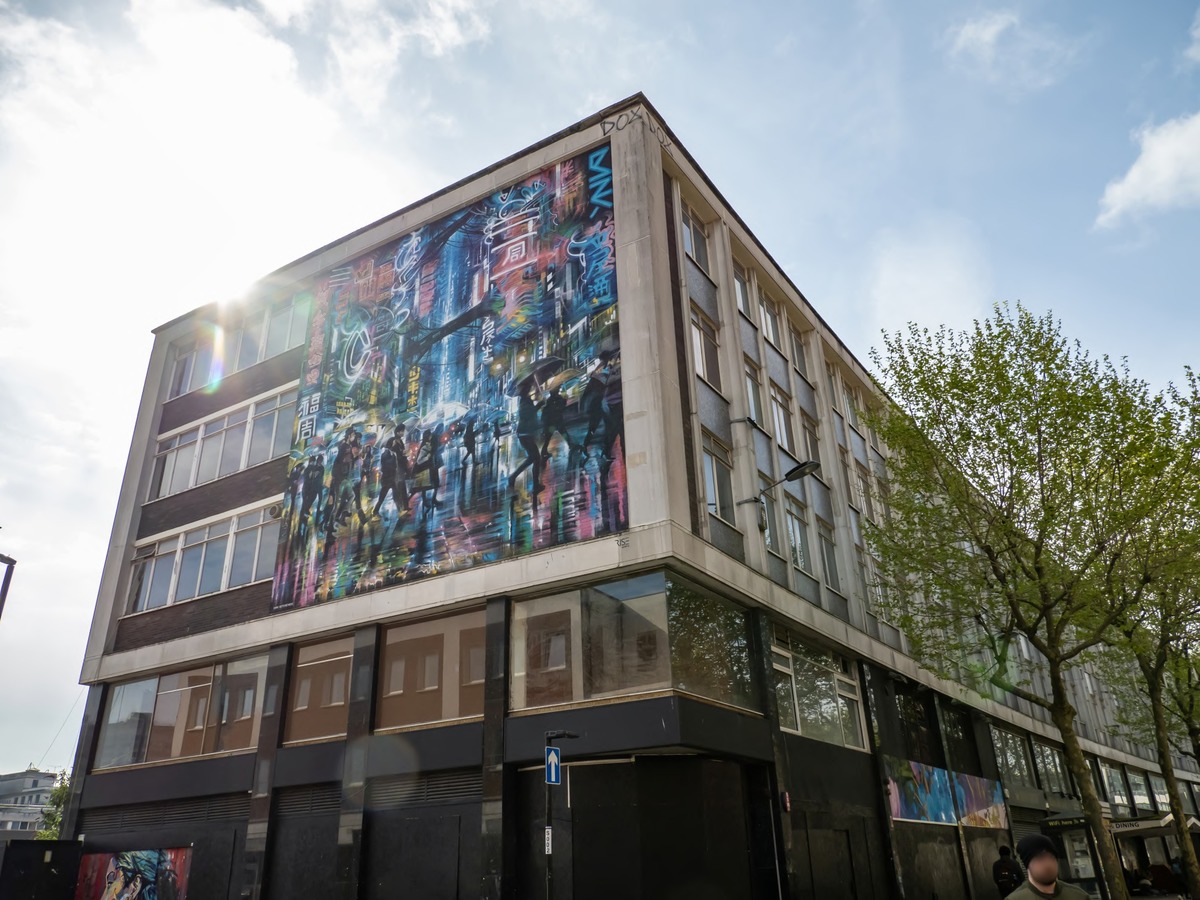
x: 549, y: 841
x: 553, y: 766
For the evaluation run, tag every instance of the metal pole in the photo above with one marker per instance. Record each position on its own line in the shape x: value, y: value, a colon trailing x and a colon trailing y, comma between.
x: 9, y: 563
x: 549, y: 834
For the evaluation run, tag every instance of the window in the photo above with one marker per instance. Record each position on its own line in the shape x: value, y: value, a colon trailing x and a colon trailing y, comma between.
x: 255, y: 540
x: 769, y: 513
x: 193, y: 367
x: 781, y: 414
x: 1115, y: 783
x: 695, y: 237
x: 710, y: 646
x: 829, y: 557
x: 961, y: 750
x: 768, y: 314
x: 863, y: 484
x: 198, y: 562
x: 831, y: 383
x: 754, y: 399
x: 741, y: 290
x: 1012, y: 758
x: 604, y: 641
x: 317, y: 702
x: 172, y: 717
x: 1139, y: 791
x: 797, y: 529
x: 432, y: 671
x: 1162, y: 797
x: 261, y: 334
x: 817, y: 692
x: 704, y: 348
x: 798, y: 358
x: 851, y: 398
x: 812, y: 446
x: 918, y: 726
x: 718, y: 477
x: 224, y: 445
x: 1052, y: 769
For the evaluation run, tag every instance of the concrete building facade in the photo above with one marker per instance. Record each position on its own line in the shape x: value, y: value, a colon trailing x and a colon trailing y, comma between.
x: 23, y: 797
x: 510, y: 461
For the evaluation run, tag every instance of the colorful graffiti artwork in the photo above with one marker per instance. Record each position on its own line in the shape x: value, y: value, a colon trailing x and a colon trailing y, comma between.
x: 919, y: 793
x: 980, y: 801
x: 134, y: 875
x: 461, y: 398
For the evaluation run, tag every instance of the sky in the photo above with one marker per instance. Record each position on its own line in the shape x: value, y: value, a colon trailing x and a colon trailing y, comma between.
x: 902, y: 161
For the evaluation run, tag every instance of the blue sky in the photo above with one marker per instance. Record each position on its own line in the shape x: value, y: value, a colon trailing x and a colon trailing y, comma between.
x: 902, y: 161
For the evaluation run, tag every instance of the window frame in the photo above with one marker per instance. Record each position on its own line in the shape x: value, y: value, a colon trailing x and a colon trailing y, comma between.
x: 692, y: 224
x: 714, y: 450
x: 756, y: 411
x: 769, y: 511
x: 781, y: 417
x: 799, y: 354
x: 706, y: 349
x: 846, y: 685
x: 257, y: 408
x: 742, y: 288
x: 769, y: 318
x: 831, y: 574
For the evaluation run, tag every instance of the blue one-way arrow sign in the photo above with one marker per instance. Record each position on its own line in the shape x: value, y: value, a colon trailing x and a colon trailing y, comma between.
x: 553, y: 766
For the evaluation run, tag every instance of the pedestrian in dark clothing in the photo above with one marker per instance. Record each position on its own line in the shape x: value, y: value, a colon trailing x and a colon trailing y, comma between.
x: 469, y: 443
x: 527, y: 429
x: 1040, y: 858
x: 314, y: 479
x: 554, y: 416
x: 1006, y: 873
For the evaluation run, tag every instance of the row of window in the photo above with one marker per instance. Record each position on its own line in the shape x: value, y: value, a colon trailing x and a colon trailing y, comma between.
x: 214, y: 557
x: 1045, y: 768
x: 639, y: 635
x: 261, y: 335
x: 224, y: 444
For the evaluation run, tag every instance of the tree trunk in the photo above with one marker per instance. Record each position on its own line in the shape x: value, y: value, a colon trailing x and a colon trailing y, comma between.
x: 1162, y: 743
x: 1063, y: 715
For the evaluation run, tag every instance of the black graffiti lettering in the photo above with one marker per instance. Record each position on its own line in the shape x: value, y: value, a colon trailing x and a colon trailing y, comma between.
x: 625, y: 119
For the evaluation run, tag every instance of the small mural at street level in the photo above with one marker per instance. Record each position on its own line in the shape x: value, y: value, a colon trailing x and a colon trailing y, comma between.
x: 980, y: 801
x: 919, y: 793
x: 134, y: 875
x: 460, y: 402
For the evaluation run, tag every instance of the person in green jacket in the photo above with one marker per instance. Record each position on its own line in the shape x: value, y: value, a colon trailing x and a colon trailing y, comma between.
x: 1040, y: 859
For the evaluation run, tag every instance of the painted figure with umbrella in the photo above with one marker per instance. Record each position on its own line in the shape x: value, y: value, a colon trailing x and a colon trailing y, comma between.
x: 526, y: 389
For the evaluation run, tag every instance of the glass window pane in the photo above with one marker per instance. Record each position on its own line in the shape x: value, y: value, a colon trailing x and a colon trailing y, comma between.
x: 422, y: 671
x: 817, y: 698
x: 710, y: 651
x: 249, y: 343
x: 126, y: 725
x: 241, y: 568
x: 189, y: 572
x: 231, y: 456
x: 267, y: 545
x: 210, y: 457
x: 278, y: 331
x: 182, y: 474
x: 851, y: 723
x: 201, y: 367
x: 180, y: 715
x: 160, y: 582
x: 242, y: 699
x: 284, y: 422
x: 299, y: 326
x: 260, y: 439
x: 320, y: 676
x: 786, y: 700
x: 214, y: 565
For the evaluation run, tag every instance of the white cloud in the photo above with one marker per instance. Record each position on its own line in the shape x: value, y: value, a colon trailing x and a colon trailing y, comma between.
x: 932, y: 272
x: 1006, y: 51
x: 1192, y: 53
x: 1166, y: 174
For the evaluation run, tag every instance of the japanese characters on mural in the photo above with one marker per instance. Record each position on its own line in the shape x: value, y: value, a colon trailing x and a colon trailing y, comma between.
x: 140, y: 874
x: 461, y: 397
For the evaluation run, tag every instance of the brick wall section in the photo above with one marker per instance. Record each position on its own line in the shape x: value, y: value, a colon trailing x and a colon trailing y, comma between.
x: 218, y: 611
x: 256, y: 483
x: 237, y: 387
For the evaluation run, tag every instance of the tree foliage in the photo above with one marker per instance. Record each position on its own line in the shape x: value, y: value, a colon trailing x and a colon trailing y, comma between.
x: 50, y: 826
x: 1027, y: 482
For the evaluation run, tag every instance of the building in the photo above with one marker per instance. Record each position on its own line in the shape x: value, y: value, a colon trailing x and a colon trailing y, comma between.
x: 23, y: 797
x: 505, y: 463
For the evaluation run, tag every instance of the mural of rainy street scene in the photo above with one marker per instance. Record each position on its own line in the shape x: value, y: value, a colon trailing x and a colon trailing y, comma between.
x: 460, y: 402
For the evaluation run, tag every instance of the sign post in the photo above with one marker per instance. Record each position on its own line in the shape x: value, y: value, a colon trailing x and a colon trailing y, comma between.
x: 553, y: 779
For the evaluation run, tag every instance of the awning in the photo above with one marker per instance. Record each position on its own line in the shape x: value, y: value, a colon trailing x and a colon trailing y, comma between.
x: 1151, y: 827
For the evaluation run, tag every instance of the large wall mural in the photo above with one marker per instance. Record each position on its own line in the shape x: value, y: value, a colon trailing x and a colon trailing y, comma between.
x: 140, y: 874
x: 461, y: 398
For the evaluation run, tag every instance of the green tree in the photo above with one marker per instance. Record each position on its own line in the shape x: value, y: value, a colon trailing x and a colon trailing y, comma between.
x: 1023, y: 477
x: 51, y: 823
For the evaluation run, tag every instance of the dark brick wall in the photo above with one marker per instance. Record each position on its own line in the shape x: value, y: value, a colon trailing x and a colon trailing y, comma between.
x: 227, y: 608
x: 237, y: 387
x: 256, y: 483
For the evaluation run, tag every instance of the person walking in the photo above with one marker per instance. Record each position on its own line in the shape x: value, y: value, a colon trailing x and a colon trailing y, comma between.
x: 1006, y: 873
